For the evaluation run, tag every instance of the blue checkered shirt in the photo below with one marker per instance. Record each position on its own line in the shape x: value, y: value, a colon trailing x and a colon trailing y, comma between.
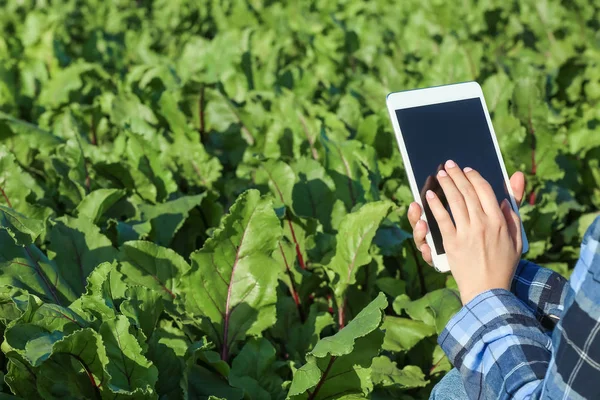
x: 540, y: 340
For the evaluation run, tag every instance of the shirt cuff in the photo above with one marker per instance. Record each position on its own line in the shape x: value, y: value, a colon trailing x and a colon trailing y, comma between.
x: 495, y: 311
x: 541, y: 290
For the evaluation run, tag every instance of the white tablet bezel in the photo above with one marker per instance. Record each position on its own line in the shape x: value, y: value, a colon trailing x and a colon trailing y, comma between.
x: 435, y: 95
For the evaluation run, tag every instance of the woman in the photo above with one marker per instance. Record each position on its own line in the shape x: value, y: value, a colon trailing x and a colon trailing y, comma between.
x: 524, y: 332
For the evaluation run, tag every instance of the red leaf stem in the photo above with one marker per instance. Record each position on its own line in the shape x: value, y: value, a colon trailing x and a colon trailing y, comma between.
x: 297, y: 245
x: 322, y: 380
x: 293, y: 290
x: 5, y: 197
x: 342, y: 307
x: 289, y: 220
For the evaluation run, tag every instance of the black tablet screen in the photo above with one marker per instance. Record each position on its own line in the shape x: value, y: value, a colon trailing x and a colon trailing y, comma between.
x: 455, y: 131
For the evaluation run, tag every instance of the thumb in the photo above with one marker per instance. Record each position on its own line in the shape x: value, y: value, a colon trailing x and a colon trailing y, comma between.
x: 517, y: 183
x: 514, y: 224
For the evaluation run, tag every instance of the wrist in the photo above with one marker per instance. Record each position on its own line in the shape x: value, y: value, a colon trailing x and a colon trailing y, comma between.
x: 467, y: 296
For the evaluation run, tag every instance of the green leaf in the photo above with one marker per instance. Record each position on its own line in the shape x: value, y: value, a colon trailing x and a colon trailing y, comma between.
x: 166, y: 349
x: 353, y: 168
x: 206, y: 374
x: 102, y: 288
x: 72, y: 365
x: 254, y: 369
x: 143, y: 306
x: 391, y: 286
x: 154, y: 267
x: 386, y: 374
x: 232, y: 281
x: 434, y: 309
x: 23, y: 230
x: 313, y: 194
x: 356, y: 232
x: 340, y: 364
x: 129, y: 370
x: 280, y: 178
x: 170, y: 110
x: 167, y: 218
x: 17, y: 185
x: 95, y: 204
x: 77, y: 247
x: 38, y: 321
x: 402, y: 334
x: 27, y: 268
x: 296, y: 336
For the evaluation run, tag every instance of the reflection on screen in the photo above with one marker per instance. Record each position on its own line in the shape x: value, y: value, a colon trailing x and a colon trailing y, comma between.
x: 455, y: 131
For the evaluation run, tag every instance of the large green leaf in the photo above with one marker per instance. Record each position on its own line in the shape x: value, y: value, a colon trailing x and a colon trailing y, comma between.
x: 313, y: 194
x: 95, y: 204
x: 205, y: 374
x: 17, y: 186
x: 352, y: 250
x: 77, y: 247
x: 155, y: 267
x: 402, y: 334
x: 254, y: 369
x: 232, y: 281
x: 23, y: 230
x: 143, y: 306
x: 434, y: 309
x: 167, y: 218
x: 72, y: 365
x: 386, y: 374
x: 340, y: 364
x: 27, y: 268
x: 166, y: 349
x: 128, y: 368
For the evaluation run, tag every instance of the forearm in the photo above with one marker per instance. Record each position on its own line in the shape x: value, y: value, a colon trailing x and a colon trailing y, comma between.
x: 498, y: 346
x: 542, y: 290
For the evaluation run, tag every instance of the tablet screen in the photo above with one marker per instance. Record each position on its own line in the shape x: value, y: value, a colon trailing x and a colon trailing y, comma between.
x: 457, y: 131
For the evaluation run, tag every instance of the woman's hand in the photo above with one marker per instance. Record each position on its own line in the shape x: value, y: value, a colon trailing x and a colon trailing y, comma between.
x: 484, y: 244
x: 419, y: 226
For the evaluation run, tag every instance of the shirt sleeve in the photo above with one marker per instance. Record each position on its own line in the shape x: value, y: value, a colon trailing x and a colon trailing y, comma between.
x: 542, y: 290
x: 497, y: 342
x: 498, y: 345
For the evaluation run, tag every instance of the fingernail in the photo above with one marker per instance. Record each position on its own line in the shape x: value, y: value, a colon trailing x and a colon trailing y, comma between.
x: 468, y: 169
x: 450, y: 164
x: 430, y: 194
x: 442, y: 173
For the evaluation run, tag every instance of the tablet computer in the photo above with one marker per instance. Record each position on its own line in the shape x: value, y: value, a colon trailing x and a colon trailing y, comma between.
x: 443, y: 123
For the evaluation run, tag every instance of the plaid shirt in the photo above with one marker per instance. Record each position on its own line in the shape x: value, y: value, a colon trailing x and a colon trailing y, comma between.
x: 540, y: 340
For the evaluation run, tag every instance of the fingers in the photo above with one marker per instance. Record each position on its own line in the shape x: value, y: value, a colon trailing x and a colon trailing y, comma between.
x: 487, y: 197
x: 466, y: 189
x: 455, y: 199
x: 426, y: 253
x: 517, y: 184
x: 514, y: 224
x: 441, y: 215
x: 414, y: 214
x: 419, y: 231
